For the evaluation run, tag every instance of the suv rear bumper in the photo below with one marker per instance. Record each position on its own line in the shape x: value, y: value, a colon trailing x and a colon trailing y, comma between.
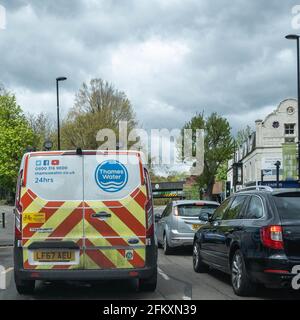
x: 273, y: 271
x: 85, y: 275
x: 274, y: 280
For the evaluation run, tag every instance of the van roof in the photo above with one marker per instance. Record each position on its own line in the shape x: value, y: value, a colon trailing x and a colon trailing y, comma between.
x: 139, y: 154
x: 87, y: 152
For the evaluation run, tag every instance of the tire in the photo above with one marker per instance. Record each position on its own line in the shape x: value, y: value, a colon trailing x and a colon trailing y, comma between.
x: 159, y: 245
x: 241, y: 283
x: 24, y: 287
x: 167, y: 249
x: 198, y: 264
x: 148, y: 285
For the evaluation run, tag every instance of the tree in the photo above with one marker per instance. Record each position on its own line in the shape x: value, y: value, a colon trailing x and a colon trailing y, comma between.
x: 222, y: 172
x: 243, y: 135
x: 97, y: 106
x: 43, y: 129
x: 218, y: 146
x: 15, y: 136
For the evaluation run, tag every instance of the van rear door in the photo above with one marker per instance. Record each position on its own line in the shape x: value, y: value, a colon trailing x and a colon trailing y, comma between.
x: 52, y: 211
x: 114, y: 212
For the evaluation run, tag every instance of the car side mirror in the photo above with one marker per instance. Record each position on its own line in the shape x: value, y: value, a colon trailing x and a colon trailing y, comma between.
x: 204, y: 217
x: 157, y: 217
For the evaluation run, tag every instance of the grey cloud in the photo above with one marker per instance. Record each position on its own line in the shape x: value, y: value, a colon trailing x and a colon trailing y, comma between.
x: 232, y: 66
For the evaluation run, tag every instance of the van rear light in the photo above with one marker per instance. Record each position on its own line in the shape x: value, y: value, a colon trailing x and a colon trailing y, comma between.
x: 18, y: 225
x: 271, y: 237
x: 18, y: 209
x: 150, y: 222
x: 18, y: 234
x: 149, y: 209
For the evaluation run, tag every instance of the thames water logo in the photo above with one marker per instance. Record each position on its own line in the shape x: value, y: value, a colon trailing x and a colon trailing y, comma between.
x: 111, y: 176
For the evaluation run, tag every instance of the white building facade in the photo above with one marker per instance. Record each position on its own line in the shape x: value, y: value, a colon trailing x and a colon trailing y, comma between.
x: 275, y: 139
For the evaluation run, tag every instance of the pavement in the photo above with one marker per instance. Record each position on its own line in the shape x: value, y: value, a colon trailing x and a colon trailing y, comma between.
x: 176, y: 280
x: 7, y: 234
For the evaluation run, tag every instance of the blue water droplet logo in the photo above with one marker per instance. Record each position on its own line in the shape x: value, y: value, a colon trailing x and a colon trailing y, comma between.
x: 111, y: 176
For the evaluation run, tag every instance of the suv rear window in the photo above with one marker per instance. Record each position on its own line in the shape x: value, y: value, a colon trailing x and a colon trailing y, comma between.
x: 288, y: 205
x: 194, y: 210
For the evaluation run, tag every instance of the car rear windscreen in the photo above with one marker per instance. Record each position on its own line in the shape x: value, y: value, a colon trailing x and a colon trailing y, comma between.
x: 288, y: 205
x: 193, y: 210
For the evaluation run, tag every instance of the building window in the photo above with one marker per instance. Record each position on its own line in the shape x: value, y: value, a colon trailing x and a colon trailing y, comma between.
x: 289, y: 140
x: 289, y: 128
x: 290, y: 110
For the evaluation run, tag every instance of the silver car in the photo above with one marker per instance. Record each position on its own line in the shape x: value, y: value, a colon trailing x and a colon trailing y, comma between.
x: 179, y: 222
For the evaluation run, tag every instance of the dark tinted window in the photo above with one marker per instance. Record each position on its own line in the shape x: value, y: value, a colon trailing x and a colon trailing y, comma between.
x: 219, y: 213
x: 167, y: 211
x: 193, y: 210
x: 235, y: 208
x: 255, y: 208
x: 288, y: 205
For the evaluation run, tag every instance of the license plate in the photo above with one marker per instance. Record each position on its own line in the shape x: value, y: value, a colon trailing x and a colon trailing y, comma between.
x: 54, y: 256
x: 196, y: 226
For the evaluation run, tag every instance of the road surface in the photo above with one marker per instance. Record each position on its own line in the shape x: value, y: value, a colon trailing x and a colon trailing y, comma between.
x: 176, y: 280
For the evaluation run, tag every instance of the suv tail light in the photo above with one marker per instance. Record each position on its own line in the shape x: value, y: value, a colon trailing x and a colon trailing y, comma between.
x: 271, y: 237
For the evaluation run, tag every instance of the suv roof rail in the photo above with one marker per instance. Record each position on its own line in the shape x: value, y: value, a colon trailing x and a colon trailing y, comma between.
x: 257, y: 188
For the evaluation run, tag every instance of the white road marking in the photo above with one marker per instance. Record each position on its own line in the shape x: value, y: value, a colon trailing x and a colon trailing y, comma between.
x: 186, y: 298
x: 163, y: 274
x: 4, y: 279
x: 8, y: 270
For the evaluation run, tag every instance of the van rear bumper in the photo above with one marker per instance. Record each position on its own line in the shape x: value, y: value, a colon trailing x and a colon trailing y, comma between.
x: 85, y: 275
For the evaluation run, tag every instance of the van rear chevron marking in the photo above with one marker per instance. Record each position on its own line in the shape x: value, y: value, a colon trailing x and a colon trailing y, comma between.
x: 111, y: 176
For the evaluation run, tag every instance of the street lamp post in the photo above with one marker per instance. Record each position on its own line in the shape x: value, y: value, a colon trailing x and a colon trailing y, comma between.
x: 296, y: 37
x: 57, y: 104
x: 277, y: 164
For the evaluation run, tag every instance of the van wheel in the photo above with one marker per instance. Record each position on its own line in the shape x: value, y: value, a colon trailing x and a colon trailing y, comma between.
x: 198, y: 264
x: 159, y: 245
x: 167, y: 249
x: 149, y: 284
x: 25, y: 286
x: 241, y: 283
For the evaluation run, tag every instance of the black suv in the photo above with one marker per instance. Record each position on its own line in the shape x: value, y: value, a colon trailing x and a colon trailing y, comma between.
x: 254, y: 236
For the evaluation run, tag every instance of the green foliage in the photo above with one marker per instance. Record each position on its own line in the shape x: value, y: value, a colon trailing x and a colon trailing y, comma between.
x: 15, y: 136
x: 243, y: 135
x: 43, y: 129
x: 171, y: 176
x: 222, y: 172
x: 218, y: 146
x: 192, y: 192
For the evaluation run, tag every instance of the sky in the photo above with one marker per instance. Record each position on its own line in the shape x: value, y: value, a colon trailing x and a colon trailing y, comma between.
x: 172, y: 58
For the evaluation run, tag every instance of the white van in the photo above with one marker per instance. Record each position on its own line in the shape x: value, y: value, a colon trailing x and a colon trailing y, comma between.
x: 84, y: 215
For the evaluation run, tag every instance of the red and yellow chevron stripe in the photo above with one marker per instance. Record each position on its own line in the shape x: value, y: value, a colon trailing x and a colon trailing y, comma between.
x: 103, y: 243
